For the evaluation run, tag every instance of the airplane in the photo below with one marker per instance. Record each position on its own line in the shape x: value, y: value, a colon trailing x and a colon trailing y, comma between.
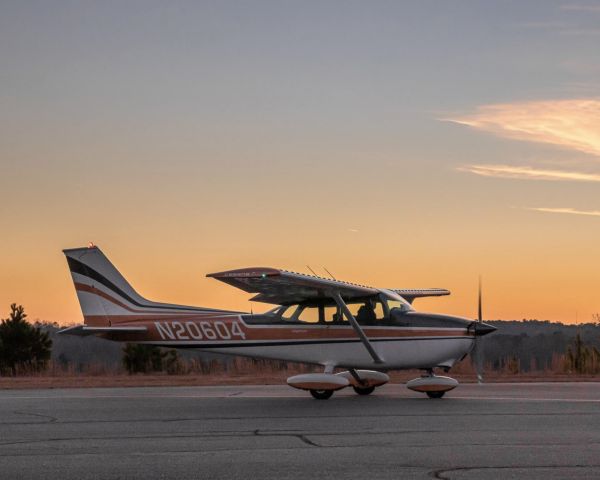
x: 320, y: 321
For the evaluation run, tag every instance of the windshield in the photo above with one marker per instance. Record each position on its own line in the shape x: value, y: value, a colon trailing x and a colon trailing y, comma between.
x: 394, y: 300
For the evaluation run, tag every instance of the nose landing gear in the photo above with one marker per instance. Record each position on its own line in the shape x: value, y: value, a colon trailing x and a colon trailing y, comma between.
x: 433, y: 386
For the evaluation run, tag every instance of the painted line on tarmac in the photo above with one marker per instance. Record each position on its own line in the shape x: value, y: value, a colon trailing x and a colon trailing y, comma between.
x: 278, y: 395
x: 529, y: 399
x: 90, y: 397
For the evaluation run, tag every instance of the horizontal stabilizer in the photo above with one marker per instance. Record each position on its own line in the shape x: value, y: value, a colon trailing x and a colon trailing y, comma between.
x: 84, y: 330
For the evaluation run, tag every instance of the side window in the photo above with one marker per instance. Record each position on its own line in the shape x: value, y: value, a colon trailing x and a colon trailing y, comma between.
x: 366, y: 313
x: 379, y: 312
x: 309, y: 315
x: 319, y: 314
x: 331, y: 315
x: 354, y: 308
x: 288, y: 313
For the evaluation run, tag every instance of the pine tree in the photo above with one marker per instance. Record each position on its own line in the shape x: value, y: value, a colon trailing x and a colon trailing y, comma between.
x: 22, y: 346
x: 139, y: 358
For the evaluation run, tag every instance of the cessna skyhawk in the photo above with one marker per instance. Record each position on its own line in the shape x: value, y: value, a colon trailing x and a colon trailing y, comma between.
x: 318, y: 321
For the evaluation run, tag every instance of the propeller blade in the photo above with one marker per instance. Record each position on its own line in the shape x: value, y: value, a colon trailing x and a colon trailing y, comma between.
x: 477, y: 354
x: 478, y: 347
x: 479, y: 314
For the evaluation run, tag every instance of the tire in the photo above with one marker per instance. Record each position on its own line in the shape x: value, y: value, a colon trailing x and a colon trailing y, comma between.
x: 364, y: 390
x: 321, y: 394
x: 435, y: 394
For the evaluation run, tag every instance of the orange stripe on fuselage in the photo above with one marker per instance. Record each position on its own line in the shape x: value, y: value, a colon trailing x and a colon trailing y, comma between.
x: 274, y: 333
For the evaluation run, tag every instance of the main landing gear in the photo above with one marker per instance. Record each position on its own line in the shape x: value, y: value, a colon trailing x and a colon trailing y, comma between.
x: 325, y: 394
x: 322, y: 385
x: 364, y: 390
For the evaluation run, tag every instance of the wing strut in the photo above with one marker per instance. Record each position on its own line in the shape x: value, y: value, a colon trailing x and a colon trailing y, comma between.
x: 357, y: 328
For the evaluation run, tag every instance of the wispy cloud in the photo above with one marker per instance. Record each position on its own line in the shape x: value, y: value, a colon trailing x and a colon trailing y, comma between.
x: 529, y: 173
x: 543, y: 25
x: 571, y: 124
x: 560, y: 28
x: 581, y: 32
x: 571, y: 211
x: 576, y: 7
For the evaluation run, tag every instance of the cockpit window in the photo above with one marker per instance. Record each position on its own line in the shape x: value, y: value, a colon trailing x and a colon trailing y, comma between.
x: 366, y: 311
x: 393, y: 300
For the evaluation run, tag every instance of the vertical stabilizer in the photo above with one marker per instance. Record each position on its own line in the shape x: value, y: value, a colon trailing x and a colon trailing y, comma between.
x: 106, y: 298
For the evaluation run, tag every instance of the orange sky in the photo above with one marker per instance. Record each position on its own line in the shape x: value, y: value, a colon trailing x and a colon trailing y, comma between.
x: 439, y: 144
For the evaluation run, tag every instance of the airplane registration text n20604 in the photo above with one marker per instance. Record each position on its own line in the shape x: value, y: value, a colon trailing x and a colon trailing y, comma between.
x: 204, y: 330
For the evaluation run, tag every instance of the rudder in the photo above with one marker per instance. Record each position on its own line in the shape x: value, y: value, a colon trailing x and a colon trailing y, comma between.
x: 105, y: 296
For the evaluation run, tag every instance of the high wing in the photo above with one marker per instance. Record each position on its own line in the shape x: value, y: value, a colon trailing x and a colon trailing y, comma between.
x: 282, y: 287
x: 410, y: 294
x: 286, y: 288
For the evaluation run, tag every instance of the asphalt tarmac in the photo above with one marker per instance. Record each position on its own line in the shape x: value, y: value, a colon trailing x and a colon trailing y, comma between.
x: 500, y: 431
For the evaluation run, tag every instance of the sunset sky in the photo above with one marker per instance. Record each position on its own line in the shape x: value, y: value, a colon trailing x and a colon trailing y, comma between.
x: 398, y: 144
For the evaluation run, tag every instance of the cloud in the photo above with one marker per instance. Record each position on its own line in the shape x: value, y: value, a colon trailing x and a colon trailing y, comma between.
x: 571, y: 124
x: 571, y: 211
x: 583, y: 32
x: 542, y: 25
x: 575, y: 7
x: 560, y: 28
x: 529, y: 173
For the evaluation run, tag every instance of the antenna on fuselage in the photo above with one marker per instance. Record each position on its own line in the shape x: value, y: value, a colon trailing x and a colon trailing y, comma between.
x: 329, y: 273
x: 313, y: 272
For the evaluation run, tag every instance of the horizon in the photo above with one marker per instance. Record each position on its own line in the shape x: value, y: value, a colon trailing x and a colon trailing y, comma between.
x: 395, y: 145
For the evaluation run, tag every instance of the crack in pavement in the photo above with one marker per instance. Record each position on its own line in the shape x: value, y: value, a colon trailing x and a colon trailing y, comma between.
x: 440, y: 474
x: 296, y: 417
x: 50, y: 418
x: 300, y: 436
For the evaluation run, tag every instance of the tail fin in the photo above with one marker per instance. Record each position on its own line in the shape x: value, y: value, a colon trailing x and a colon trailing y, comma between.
x: 106, y: 298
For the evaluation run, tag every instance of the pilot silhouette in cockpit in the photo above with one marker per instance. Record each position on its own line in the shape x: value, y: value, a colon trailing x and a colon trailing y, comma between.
x: 366, y: 314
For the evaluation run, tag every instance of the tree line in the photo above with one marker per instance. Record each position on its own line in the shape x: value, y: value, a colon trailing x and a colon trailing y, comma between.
x: 27, y: 348
x: 516, y: 347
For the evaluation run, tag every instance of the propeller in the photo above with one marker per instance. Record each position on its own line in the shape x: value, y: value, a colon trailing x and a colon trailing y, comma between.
x: 479, y: 329
x: 478, y: 347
